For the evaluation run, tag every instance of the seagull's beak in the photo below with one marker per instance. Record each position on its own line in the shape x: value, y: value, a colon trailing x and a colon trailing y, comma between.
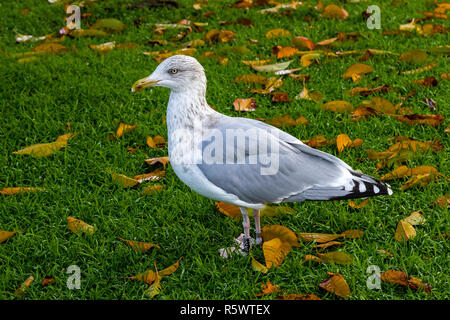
x: 143, y: 83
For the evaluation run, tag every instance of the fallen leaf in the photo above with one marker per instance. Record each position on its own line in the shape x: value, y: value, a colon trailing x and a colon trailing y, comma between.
x: 415, y: 218
x: 308, y: 59
x: 152, y: 189
x: 156, y: 142
x: 360, y: 205
x: 333, y: 11
x: 303, y: 43
x: 140, y: 246
x: 421, y: 180
x: 229, y: 210
x: 433, y: 120
x: 103, y: 48
x: 46, y: 149
x: 405, y: 231
x: 148, y: 277
x: 47, y: 281
x: 427, y: 82
x: 267, y: 288
x: 341, y: 106
x: 401, y: 278
x: 336, y: 284
x: 19, y: 190
x: 331, y: 257
x: 20, y: 292
x: 50, y: 48
x: 297, y: 296
x: 328, y: 244
x: 162, y: 160
x: 319, y: 141
x: 352, y: 234
x: 443, y: 202
x: 414, y: 56
x: 251, y: 78
x: 79, y: 226
x: 280, y: 232
x: 318, y: 237
x: 123, y: 180
x: 271, y: 67
x: 108, y: 25
x: 421, y: 69
x: 357, y: 69
x: 123, y: 128
x: 277, y: 33
x: 404, y: 171
x: 342, y: 141
x: 245, y: 104
x: 287, y: 121
x: 275, y: 251
x: 152, y: 176
x: 257, y: 266
x: 154, y: 289
x: 5, y: 235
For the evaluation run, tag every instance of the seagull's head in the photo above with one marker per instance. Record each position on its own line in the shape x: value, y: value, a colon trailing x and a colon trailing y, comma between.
x: 178, y: 73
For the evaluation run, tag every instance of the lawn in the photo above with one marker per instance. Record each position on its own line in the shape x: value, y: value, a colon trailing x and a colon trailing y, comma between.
x: 91, y: 91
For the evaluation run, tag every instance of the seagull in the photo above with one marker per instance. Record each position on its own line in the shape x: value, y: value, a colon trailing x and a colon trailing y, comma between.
x: 241, y: 161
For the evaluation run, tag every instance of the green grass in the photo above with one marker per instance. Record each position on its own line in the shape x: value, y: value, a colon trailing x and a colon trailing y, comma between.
x: 92, y: 92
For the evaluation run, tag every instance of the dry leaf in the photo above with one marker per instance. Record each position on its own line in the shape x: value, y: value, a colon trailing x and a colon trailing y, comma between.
x: 357, y: 69
x: 251, y: 78
x: 103, y: 48
x: 333, y: 11
x: 19, y: 190
x: 420, y: 180
x: 123, y: 128
x: 23, y: 287
x: 331, y: 257
x: 401, y: 278
x: 245, y: 104
x: 154, y: 289
x: 404, y: 171
x: 148, y: 277
x: 156, y: 142
x: 352, y: 234
x: 152, y: 189
x: 123, y: 180
x: 271, y: 67
x: 328, y: 244
x: 415, y: 218
x: 280, y: 232
x: 274, y: 252
x: 162, y: 160
x: 443, y: 202
x: 257, y: 266
x: 297, y: 296
x: 341, y: 106
x: 303, y: 43
x: 79, y: 226
x: 229, y: 210
x: 46, y: 149
x: 405, y: 231
x: 342, y: 141
x: 319, y: 141
x: 267, y: 289
x: 140, y: 246
x: 287, y: 121
x: 5, y: 235
x: 318, y: 237
x: 360, y: 205
x: 433, y: 120
x: 336, y: 284
x: 152, y: 176
x: 277, y: 33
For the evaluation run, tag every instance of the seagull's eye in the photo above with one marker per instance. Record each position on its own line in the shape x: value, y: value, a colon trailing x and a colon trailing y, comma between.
x: 173, y: 71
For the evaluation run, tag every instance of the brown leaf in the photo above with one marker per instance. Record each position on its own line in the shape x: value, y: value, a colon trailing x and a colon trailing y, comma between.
x: 280, y: 232
x: 274, y: 252
x: 421, y: 180
x: 162, y: 160
x: 443, y: 202
x: 50, y: 48
x: 343, y: 141
x: 336, y: 284
x: 251, y: 78
x: 404, y: 171
x: 365, y: 91
x: 47, y: 281
x: 79, y: 226
x: 427, y: 82
x: 267, y: 288
x: 421, y: 69
x: 103, y: 48
x: 284, y: 52
x: 401, y: 278
x: 414, y: 56
x: 331, y: 257
x: 405, y: 231
x: 328, y: 244
x: 287, y: 121
x: 140, y: 246
x: 303, y: 43
x: 123, y: 180
x: 319, y: 141
x: 245, y: 104
x: 352, y: 234
x: 433, y: 120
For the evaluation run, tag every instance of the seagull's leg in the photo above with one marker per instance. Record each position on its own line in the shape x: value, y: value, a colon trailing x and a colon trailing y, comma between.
x: 246, y: 224
x: 256, y: 216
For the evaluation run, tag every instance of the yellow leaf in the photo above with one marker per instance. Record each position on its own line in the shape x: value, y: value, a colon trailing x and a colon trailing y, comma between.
x: 123, y: 128
x: 358, y: 69
x: 169, y: 270
x: 103, y: 48
x: 333, y: 11
x: 405, y: 231
x: 156, y: 142
x: 154, y: 289
x: 5, y: 235
x: 363, y: 203
x: 342, y: 141
x: 140, y: 246
x: 419, y: 180
x: 318, y: 237
x: 245, y: 104
x: 257, y: 266
x: 148, y: 277
x: 274, y: 252
x: 79, y: 226
x: 277, y: 33
x: 46, y: 149
x: 18, y: 190
x: 338, y: 106
x: 152, y: 176
x: 152, y: 189
x: 280, y: 232
x: 229, y: 210
x: 352, y: 234
x: 123, y: 180
x: 415, y: 218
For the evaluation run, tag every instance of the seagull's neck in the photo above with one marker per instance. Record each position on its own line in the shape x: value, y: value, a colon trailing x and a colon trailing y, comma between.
x: 188, y: 107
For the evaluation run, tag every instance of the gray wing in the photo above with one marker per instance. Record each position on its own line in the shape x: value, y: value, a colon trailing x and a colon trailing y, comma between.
x: 272, y: 166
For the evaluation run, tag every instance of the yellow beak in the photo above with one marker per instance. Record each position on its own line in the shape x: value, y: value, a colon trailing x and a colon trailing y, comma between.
x: 142, y: 84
